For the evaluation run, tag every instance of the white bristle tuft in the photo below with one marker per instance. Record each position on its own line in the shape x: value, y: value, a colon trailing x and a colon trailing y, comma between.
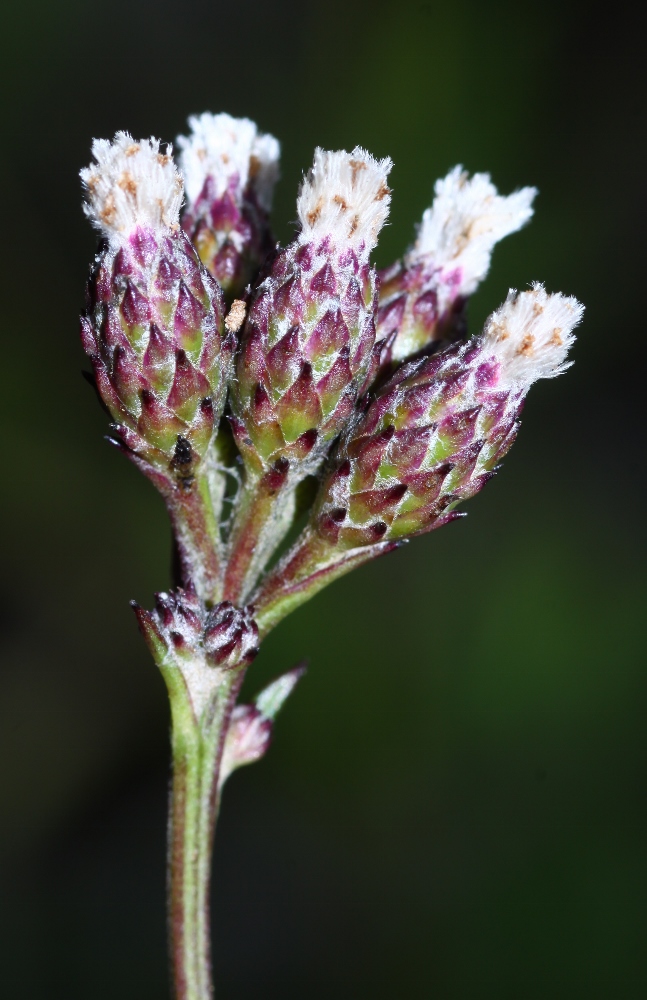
x: 531, y: 334
x: 345, y: 196
x: 233, y: 153
x: 131, y: 184
x: 467, y: 218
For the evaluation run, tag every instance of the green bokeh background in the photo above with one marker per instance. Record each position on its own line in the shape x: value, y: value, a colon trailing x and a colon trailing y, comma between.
x: 454, y: 806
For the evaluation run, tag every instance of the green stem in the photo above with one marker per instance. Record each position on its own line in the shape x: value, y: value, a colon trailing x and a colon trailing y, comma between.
x: 197, y: 751
x: 263, y: 514
x: 197, y: 533
x: 306, y: 569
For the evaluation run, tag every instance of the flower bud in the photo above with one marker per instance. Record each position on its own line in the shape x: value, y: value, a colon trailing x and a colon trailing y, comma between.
x: 307, y: 346
x: 184, y: 635
x: 422, y: 299
x: 230, y: 636
x: 437, y: 430
x: 230, y: 170
x: 154, y: 324
x: 251, y: 728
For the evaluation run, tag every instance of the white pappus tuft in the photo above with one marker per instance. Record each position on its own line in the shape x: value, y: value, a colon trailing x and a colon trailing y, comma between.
x: 233, y: 153
x: 531, y: 334
x: 345, y: 195
x: 131, y: 184
x: 467, y: 218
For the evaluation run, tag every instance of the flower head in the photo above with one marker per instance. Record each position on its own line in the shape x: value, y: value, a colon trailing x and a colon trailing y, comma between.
x: 130, y: 185
x: 232, y: 153
x: 345, y: 196
x: 230, y: 170
x: 422, y: 298
x: 467, y: 218
x: 531, y: 334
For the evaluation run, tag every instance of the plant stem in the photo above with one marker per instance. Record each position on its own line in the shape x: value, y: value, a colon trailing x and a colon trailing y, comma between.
x: 197, y: 533
x: 264, y: 512
x: 306, y: 569
x: 197, y: 751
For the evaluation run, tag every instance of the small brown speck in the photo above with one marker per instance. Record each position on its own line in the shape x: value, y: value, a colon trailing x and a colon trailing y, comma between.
x: 556, y: 339
x: 338, y: 200
x: 382, y: 193
x: 356, y: 166
x: 315, y: 214
x: 236, y: 316
x: 132, y: 149
x: 526, y: 346
x: 163, y: 159
x: 354, y: 223
x: 254, y: 166
x: 537, y: 308
x: 92, y: 183
x: 109, y: 212
x: 127, y: 183
x: 225, y: 158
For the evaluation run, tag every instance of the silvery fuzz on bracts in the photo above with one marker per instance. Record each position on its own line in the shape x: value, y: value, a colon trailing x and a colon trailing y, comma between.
x: 299, y: 413
x: 430, y: 438
x: 435, y: 433
x: 154, y: 323
x: 229, y: 171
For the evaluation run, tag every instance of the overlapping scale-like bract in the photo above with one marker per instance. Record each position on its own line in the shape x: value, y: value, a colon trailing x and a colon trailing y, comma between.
x: 200, y: 642
x: 435, y: 433
x: 154, y: 322
x: 308, y: 343
x: 431, y: 438
x: 306, y: 352
x: 154, y: 331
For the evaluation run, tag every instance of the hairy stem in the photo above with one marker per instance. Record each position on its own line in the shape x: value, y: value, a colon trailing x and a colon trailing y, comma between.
x: 264, y: 512
x: 197, y: 751
x: 305, y: 570
x: 197, y: 533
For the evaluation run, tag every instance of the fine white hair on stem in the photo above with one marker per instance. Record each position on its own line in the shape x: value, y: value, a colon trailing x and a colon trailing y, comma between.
x: 131, y: 184
x: 345, y: 195
x: 467, y: 218
x: 531, y: 334
x: 233, y: 153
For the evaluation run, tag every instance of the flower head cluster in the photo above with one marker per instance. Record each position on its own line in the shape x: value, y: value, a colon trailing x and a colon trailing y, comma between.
x: 320, y: 367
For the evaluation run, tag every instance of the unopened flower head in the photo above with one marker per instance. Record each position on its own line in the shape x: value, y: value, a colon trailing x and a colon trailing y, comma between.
x: 422, y: 298
x: 435, y: 433
x: 308, y: 341
x: 130, y: 185
x: 201, y: 643
x: 230, y: 170
x: 345, y: 196
x: 250, y: 731
x: 154, y: 324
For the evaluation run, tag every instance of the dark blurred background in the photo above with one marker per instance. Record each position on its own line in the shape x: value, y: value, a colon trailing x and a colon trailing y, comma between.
x: 455, y: 803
